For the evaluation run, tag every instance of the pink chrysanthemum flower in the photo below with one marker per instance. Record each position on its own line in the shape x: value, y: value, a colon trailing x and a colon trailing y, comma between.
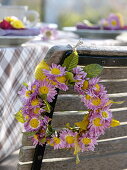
x: 49, y: 33
x: 93, y: 103
x: 55, y: 71
x: 34, y: 87
x: 87, y: 143
x: 68, y: 137
x: 60, y: 83
x: 47, y: 89
x: 97, y: 125
x: 56, y: 142
x: 106, y: 114
x: 37, y: 111
x: 33, y: 124
x: 79, y: 74
x: 34, y: 102
x: 99, y: 89
x: 25, y: 94
x: 93, y: 81
x: 114, y: 21
x: 35, y: 139
x: 82, y: 86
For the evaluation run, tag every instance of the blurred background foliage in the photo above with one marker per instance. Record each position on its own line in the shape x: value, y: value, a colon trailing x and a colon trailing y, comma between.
x: 69, y: 12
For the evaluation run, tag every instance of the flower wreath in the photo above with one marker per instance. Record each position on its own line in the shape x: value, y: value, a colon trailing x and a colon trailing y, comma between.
x: 38, y: 95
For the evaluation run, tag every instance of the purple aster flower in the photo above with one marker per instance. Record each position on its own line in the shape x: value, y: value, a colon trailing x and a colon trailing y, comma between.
x: 46, y: 88
x: 93, y: 81
x: 34, y: 87
x: 99, y: 89
x: 79, y: 74
x: 34, y: 139
x: 33, y: 124
x: 97, y: 125
x: 106, y: 114
x: 56, y: 142
x: 34, y: 103
x: 82, y: 86
x: 68, y: 137
x: 114, y: 22
x: 25, y: 94
x: 49, y: 33
x: 87, y: 143
x: 60, y: 82
x: 95, y: 102
x: 55, y: 71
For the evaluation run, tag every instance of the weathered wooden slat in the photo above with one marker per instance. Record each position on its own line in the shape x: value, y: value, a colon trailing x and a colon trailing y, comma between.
x: 114, y: 73
x: 109, y: 146
x: 107, y: 162
x: 73, y: 102
x: 60, y: 119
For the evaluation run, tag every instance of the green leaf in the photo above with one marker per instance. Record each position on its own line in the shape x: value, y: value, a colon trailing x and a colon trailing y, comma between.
x: 30, y: 133
x: 48, y: 106
x: 49, y: 130
x: 19, y: 116
x: 43, y: 140
x: 25, y: 84
x: 71, y: 61
x: 70, y: 77
x: 120, y: 102
x: 93, y: 70
x: 43, y: 96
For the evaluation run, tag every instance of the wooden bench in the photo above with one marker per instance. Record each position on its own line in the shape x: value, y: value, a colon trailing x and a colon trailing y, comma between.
x: 111, y: 152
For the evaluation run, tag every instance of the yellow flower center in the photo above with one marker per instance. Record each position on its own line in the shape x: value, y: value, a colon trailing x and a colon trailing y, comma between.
x: 113, y: 22
x: 56, y: 140
x: 61, y: 79
x: 34, y: 123
x: 48, y: 33
x: 69, y: 139
x: 53, y: 82
x: 96, y: 101
x: 36, y: 110
x: 97, y: 87
x: 97, y: 121
x: 27, y: 117
x: 55, y: 71
x: 43, y: 90
x: 105, y: 114
x: 36, y: 137
x: 85, y: 85
x: 86, y: 141
x: 88, y: 97
x: 35, y: 102
x: 27, y: 94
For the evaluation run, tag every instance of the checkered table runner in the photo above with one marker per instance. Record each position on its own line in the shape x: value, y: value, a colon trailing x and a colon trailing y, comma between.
x: 16, y: 66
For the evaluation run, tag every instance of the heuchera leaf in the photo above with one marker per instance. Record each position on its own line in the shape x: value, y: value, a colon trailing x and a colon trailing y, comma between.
x: 19, y: 117
x: 93, y: 70
x: 30, y: 133
x: 71, y: 61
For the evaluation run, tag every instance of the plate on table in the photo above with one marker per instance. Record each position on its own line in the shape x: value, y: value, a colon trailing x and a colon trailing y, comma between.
x: 95, y: 34
x: 14, y: 40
